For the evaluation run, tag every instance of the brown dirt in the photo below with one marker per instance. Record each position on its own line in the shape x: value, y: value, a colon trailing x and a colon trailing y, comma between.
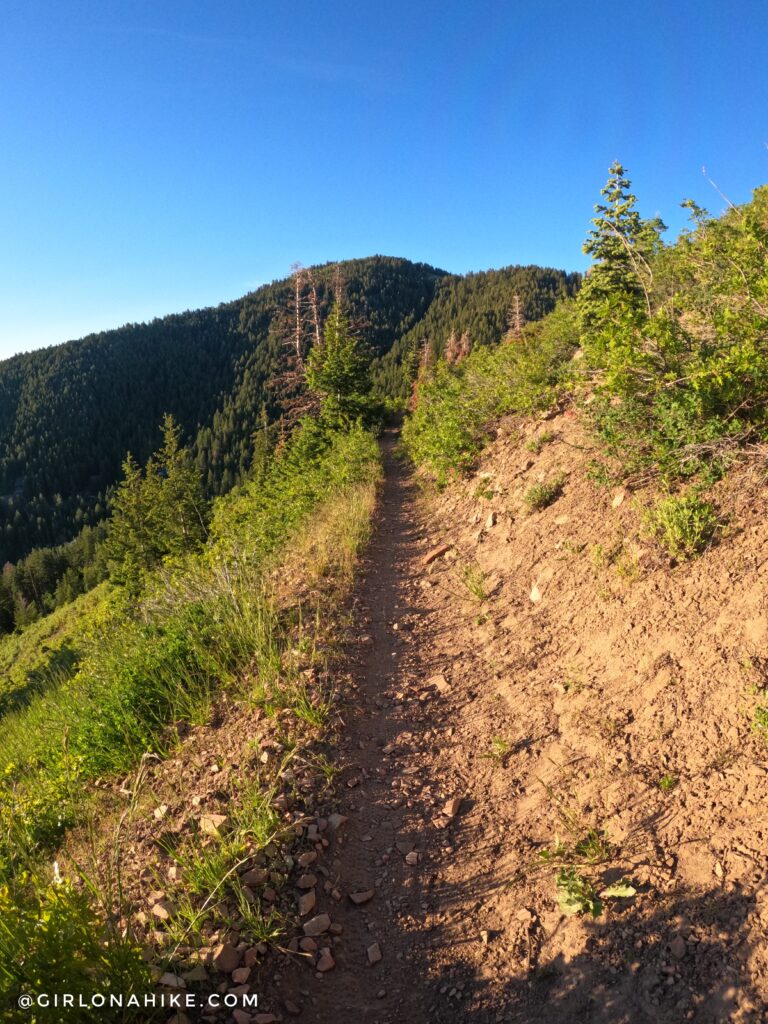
x: 625, y: 670
x: 548, y: 718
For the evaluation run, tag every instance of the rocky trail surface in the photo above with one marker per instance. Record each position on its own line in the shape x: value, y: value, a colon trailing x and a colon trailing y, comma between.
x: 511, y: 712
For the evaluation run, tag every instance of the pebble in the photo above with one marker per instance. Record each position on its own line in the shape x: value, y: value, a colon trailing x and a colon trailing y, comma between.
x: 317, y: 925
x: 225, y: 957
x: 307, y: 903
x: 325, y: 961
x: 364, y: 896
x: 374, y: 953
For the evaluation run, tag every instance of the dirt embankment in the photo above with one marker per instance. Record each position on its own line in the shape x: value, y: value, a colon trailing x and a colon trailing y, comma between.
x: 590, y: 705
x: 525, y: 694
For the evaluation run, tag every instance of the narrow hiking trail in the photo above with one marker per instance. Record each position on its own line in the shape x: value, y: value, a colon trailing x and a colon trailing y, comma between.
x: 474, y: 735
x: 417, y: 849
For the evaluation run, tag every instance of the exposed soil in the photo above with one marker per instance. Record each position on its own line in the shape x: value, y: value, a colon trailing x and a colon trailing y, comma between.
x: 512, y: 680
x: 552, y: 701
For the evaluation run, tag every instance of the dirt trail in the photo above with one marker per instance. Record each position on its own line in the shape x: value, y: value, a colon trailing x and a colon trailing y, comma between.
x: 400, y: 769
x: 451, y: 727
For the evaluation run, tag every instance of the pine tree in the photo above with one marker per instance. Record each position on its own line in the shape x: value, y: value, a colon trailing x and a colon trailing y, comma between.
x: 338, y: 371
x: 621, y: 243
x: 157, y: 513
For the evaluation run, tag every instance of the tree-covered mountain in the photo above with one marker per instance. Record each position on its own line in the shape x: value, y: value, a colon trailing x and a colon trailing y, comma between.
x: 480, y: 306
x: 70, y: 413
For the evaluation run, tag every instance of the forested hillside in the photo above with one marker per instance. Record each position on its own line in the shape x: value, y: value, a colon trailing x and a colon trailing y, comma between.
x: 69, y: 414
x: 479, y: 308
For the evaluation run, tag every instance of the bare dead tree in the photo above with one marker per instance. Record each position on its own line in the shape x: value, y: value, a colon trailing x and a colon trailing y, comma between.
x: 465, y: 347
x: 515, y: 318
x: 452, y: 349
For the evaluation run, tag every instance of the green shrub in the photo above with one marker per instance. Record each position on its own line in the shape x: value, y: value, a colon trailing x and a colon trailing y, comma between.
x: 543, y: 494
x: 53, y: 940
x: 456, y: 404
x: 675, y: 335
x: 685, y: 525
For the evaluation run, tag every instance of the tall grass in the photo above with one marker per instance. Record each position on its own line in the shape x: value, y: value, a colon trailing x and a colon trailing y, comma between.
x: 223, y: 618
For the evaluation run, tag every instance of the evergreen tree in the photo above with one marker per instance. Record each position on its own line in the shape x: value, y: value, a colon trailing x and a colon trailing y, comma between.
x: 338, y: 370
x: 158, y: 513
x: 621, y: 243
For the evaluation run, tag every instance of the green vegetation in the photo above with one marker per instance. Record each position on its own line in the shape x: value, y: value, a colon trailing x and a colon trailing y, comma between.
x: 540, y: 441
x: 543, y: 494
x: 500, y: 750
x: 667, y: 782
x: 473, y: 578
x: 676, y: 334
x: 760, y: 720
x: 70, y: 413
x: 576, y: 894
x: 480, y: 308
x: 456, y: 404
x: 53, y: 939
x: 206, y: 612
x: 684, y: 525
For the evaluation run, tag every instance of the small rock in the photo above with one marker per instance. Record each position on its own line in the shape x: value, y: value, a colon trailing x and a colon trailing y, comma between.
x: 161, y: 811
x: 241, y: 975
x: 170, y: 980
x: 305, y: 859
x: 256, y: 876
x: 436, y: 553
x: 535, y: 594
x: 317, y: 925
x: 404, y: 846
x: 214, y: 824
x: 163, y: 910
x: 618, y: 498
x: 678, y: 947
x: 359, y: 898
x: 440, y: 683
x: 306, y: 881
x: 325, y: 961
x: 307, y: 945
x: 241, y: 1017
x: 197, y: 973
x: 719, y: 871
x: 335, y: 821
x: 485, y: 937
x: 374, y: 953
x: 412, y: 858
x: 292, y: 1008
x: 225, y: 957
x: 452, y: 807
x: 490, y: 522
x: 307, y: 903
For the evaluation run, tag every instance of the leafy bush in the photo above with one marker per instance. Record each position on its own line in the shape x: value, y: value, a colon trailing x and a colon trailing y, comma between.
x: 456, y: 404
x: 53, y: 941
x: 677, y: 334
x: 684, y: 525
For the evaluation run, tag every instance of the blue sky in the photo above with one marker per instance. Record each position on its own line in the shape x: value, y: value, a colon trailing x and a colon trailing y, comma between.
x: 161, y: 156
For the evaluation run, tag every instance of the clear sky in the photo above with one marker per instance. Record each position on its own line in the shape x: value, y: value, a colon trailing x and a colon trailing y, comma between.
x: 161, y: 155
